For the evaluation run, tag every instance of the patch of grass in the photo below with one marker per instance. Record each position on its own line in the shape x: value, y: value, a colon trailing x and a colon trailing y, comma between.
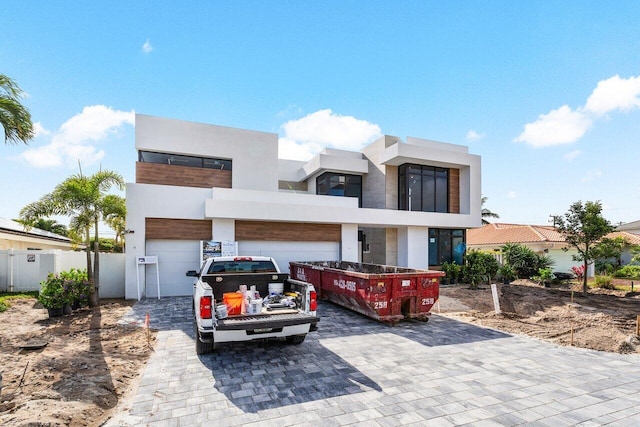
x: 6, y: 297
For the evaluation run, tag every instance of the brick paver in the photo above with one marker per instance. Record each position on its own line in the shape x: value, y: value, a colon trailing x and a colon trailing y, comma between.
x: 356, y: 371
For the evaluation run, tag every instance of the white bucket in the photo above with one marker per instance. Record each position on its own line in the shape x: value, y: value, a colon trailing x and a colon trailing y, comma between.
x: 276, y: 288
x: 256, y: 306
x: 221, y: 311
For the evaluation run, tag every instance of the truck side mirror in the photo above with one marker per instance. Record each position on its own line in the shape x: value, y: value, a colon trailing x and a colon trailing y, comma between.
x: 192, y: 273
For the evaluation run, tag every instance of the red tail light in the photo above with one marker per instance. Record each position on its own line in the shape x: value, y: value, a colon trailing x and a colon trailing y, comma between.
x: 313, y: 302
x: 205, y: 307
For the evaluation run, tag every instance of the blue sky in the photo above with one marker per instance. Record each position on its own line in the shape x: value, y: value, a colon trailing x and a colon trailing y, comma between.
x: 548, y: 93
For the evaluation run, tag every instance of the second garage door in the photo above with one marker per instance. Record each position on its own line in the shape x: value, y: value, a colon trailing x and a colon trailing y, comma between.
x: 284, y: 252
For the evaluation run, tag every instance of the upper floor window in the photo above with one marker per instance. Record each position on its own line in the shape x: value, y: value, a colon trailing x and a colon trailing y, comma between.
x: 423, y: 188
x: 181, y: 160
x: 335, y: 184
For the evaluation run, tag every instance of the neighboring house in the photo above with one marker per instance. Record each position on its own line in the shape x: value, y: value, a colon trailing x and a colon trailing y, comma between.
x: 399, y: 203
x: 630, y: 227
x: 542, y: 239
x: 14, y: 235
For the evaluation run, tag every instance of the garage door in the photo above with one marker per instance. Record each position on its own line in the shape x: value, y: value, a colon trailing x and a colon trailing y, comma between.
x: 284, y: 252
x: 175, y: 258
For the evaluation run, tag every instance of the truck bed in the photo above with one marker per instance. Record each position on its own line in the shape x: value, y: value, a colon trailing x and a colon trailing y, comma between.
x: 278, y: 319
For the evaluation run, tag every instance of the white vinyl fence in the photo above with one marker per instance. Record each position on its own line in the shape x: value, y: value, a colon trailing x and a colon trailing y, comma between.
x: 24, y: 270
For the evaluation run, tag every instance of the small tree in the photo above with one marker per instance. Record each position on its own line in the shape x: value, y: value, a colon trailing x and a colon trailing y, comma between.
x: 479, y: 267
x: 583, y: 226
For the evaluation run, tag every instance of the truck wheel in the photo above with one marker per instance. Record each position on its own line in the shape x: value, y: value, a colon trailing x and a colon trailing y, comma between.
x: 201, y: 347
x: 296, y: 339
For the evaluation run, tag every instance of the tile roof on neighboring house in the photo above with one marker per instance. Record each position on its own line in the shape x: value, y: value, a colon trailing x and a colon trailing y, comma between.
x: 13, y: 227
x: 500, y: 234
x: 632, y: 238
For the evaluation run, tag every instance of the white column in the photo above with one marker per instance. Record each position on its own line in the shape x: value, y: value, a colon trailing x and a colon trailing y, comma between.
x: 349, y: 243
x: 413, y: 247
x: 224, y: 230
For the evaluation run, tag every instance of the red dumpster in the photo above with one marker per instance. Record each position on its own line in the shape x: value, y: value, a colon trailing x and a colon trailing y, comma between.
x: 382, y: 292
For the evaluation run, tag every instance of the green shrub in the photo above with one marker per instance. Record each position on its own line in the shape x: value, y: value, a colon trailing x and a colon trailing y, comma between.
x: 507, y: 273
x: 3, y: 306
x: 544, y: 277
x: 628, y: 272
x: 524, y: 260
x: 451, y: 271
x: 604, y: 282
x: 479, y: 267
x: 64, y: 288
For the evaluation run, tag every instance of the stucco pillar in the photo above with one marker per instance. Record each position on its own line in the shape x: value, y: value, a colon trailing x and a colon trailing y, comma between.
x: 223, y: 230
x: 413, y: 247
x: 349, y: 242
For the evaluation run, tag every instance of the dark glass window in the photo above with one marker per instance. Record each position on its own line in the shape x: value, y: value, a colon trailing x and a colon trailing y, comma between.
x: 180, y: 160
x: 423, y: 188
x: 446, y: 246
x: 335, y: 184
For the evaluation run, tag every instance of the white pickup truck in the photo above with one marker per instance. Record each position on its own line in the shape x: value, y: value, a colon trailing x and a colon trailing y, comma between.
x: 248, y: 298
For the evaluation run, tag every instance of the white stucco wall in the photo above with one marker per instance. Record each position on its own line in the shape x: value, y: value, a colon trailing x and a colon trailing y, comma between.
x: 254, y: 155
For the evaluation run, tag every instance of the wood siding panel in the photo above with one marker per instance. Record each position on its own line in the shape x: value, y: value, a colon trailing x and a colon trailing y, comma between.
x: 454, y: 191
x: 183, y: 176
x: 178, y: 229
x: 287, y: 231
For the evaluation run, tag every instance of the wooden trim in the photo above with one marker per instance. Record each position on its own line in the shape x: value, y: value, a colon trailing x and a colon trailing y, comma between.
x: 178, y: 229
x: 288, y: 231
x: 183, y: 176
x: 454, y: 191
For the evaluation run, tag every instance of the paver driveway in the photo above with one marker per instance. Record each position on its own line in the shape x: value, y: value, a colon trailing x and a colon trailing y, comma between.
x: 355, y: 371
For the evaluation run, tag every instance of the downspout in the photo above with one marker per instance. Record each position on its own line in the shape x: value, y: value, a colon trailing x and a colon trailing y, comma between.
x: 11, y: 255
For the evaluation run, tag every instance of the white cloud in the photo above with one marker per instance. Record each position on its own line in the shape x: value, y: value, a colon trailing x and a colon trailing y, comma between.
x: 570, y: 156
x: 39, y: 130
x: 146, y: 47
x: 614, y: 94
x: 472, y: 135
x: 512, y: 194
x: 592, y: 175
x: 305, y: 137
x: 565, y: 126
x: 75, y: 139
x: 561, y: 126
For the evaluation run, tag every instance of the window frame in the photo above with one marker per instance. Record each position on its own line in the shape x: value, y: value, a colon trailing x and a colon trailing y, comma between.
x: 351, y: 183
x: 432, y: 187
x: 156, y: 157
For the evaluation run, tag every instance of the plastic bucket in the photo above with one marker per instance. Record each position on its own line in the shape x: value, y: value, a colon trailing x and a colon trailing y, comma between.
x: 276, y: 288
x: 221, y: 311
x: 233, y: 301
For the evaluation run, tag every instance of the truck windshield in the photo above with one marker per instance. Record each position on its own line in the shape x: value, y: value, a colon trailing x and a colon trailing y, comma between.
x: 242, y: 267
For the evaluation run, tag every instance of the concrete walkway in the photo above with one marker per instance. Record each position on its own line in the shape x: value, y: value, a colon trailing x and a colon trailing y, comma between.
x: 355, y: 371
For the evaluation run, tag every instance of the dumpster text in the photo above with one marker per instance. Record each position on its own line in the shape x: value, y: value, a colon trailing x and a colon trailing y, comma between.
x: 345, y: 284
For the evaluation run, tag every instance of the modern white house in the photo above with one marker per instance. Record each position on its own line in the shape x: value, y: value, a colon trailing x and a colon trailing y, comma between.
x: 406, y: 203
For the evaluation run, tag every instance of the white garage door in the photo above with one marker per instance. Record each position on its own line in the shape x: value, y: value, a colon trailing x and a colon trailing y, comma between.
x: 175, y: 258
x: 283, y: 252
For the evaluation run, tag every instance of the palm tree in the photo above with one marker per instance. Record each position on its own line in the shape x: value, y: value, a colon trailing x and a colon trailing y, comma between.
x: 114, y: 212
x: 81, y: 198
x: 14, y: 117
x: 486, y: 213
x: 46, y: 224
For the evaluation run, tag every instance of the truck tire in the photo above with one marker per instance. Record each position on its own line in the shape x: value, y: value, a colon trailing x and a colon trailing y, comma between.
x: 296, y: 339
x: 201, y: 347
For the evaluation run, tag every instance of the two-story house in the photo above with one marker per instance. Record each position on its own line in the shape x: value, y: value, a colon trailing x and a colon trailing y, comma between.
x: 395, y: 202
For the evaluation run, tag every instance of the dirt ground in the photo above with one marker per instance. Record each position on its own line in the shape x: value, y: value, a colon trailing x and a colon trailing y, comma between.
x: 603, y: 320
x: 90, y: 362
x: 88, y: 365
